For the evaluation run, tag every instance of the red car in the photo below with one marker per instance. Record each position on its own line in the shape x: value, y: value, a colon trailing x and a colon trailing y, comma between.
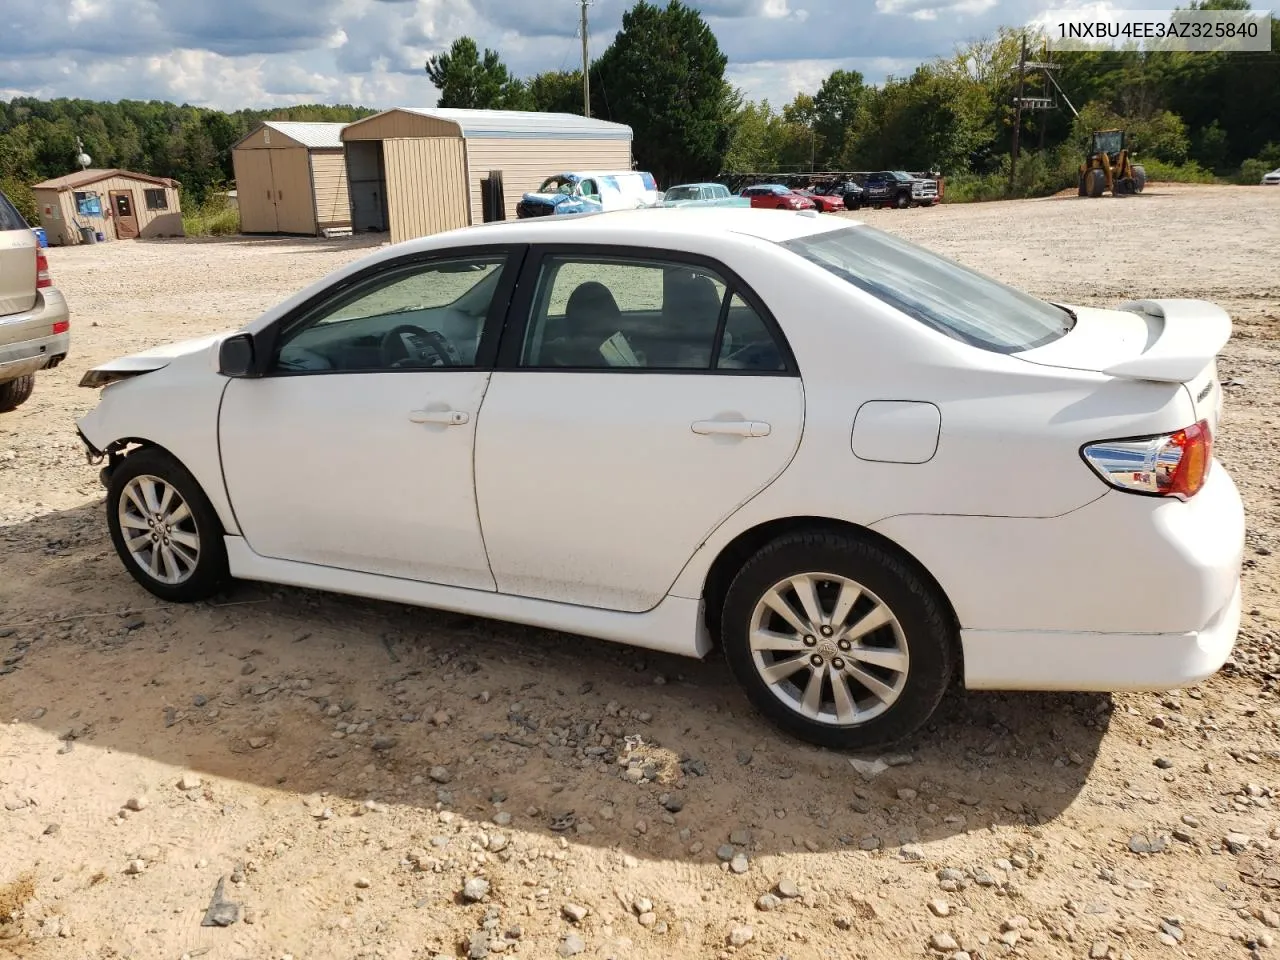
x: 824, y: 203
x: 774, y: 196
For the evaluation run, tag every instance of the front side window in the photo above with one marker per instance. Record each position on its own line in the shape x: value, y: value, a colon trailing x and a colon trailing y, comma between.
x: 618, y: 312
x: 940, y: 293
x: 412, y: 317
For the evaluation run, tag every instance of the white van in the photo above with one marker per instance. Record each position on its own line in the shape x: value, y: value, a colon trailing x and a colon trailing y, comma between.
x: 589, y: 191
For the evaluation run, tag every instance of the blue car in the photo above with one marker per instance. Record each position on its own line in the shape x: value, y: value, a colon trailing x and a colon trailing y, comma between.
x: 590, y: 192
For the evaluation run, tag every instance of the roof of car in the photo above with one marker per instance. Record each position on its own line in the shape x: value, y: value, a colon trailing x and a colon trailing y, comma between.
x: 630, y: 226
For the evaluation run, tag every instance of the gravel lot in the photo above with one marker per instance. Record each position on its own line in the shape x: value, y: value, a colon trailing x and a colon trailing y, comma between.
x: 366, y: 780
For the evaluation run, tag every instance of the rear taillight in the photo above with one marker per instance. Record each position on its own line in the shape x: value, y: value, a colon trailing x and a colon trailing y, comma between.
x: 1168, y: 465
x: 62, y: 326
x: 42, y: 270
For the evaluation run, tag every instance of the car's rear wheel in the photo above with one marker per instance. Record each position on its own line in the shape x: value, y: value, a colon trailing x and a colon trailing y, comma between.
x: 14, y: 393
x: 164, y: 528
x: 837, y: 640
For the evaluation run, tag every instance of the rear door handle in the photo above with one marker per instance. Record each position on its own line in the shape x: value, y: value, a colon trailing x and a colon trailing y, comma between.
x: 452, y: 418
x: 732, y: 428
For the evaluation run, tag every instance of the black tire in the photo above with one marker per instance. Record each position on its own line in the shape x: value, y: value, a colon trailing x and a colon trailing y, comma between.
x: 903, y: 201
x: 1084, y: 190
x: 14, y: 393
x: 1097, y: 182
x: 926, y: 629
x: 1139, y: 178
x: 209, y: 572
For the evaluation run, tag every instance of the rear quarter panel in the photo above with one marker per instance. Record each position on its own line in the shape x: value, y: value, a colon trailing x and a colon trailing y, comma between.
x: 1010, y: 432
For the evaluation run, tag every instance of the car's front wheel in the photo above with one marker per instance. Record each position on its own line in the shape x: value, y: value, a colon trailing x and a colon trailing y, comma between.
x: 164, y: 528
x: 837, y: 640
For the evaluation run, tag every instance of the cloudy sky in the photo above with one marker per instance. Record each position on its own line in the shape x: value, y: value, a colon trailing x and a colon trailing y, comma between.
x: 258, y: 53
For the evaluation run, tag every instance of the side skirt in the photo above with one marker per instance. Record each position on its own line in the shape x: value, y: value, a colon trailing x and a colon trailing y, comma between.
x: 674, y: 626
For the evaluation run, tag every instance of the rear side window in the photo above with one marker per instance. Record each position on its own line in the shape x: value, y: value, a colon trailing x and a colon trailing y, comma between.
x: 10, y: 218
x: 940, y: 293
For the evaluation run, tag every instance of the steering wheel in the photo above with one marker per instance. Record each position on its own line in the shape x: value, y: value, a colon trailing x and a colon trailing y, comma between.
x: 407, y: 341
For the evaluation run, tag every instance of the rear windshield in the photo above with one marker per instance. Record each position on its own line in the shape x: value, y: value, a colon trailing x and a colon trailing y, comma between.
x: 938, y: 292
x: 10, y: 218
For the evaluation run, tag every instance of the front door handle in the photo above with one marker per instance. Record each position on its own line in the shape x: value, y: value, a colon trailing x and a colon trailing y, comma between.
x: 732, y: 428
x: 452, y: 418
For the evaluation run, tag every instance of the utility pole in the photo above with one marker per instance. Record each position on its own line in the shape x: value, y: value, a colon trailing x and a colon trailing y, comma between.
x: 586, y: 63
x: 1017, y: 115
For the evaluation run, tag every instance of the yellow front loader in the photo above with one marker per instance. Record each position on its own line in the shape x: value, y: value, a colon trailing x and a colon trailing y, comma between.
x: 1110, y: 168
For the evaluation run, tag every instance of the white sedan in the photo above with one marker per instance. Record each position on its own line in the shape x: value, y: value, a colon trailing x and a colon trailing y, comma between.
x: 864, y: 471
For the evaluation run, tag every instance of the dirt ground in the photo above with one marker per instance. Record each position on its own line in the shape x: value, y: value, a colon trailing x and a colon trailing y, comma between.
x: 333, y: 772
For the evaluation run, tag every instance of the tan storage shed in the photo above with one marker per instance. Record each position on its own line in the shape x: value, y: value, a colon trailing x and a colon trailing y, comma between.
x: 119, y: 204
x: 291, y: 178
x: 414, y: 171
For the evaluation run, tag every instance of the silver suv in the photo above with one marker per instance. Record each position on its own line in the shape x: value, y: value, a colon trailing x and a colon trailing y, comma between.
x: 35, y: 324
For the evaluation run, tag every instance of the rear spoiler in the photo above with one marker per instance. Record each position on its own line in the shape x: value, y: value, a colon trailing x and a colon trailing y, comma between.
x: 1188, y: 336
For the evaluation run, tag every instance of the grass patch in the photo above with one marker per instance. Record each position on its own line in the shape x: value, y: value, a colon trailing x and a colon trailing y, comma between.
x: 214, y: 217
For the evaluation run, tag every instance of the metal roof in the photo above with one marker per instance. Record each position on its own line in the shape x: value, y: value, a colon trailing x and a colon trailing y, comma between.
x: 82, y: 178
x: 528, y: 124
x: 313, y: 136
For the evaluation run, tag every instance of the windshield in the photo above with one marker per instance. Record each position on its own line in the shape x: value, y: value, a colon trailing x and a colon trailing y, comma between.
x: 1108, y: 141
x: 682, y: 193
x: 901, y: 175
x: 940, y: 293
x: 556, y: 185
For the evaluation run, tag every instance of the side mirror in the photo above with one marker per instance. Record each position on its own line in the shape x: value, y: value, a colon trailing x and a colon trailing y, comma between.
x: 236, y: 356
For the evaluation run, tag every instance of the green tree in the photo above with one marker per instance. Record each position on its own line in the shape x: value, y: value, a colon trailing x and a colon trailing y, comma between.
x: 663, y: 75
x: 835, y: 108
x: 467, y: 80
x: 556, y: 91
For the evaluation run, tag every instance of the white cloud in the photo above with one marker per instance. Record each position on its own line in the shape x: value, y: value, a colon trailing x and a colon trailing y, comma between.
x: 258, y: 53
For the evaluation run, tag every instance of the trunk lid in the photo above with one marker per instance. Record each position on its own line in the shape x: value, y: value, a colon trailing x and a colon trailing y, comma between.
x: 1164, y: 341
x: 17, y: 261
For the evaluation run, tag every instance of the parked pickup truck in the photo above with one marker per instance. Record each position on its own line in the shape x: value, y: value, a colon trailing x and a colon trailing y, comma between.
x: 702, y: 195
x: 35, y: 323
x: 900, y: 189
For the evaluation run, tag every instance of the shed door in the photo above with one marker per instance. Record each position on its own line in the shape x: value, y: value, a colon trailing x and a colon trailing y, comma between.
x: 126, y: 218
x: 291, y: 180
x: 255, y: 191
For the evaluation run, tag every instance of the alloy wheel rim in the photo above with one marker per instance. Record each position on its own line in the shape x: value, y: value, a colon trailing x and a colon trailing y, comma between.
x: 829, y: 649
x: 159, y: 529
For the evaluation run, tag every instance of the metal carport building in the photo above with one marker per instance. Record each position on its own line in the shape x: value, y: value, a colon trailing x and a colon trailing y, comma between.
x: 415, y: 171
x: 292, y: 178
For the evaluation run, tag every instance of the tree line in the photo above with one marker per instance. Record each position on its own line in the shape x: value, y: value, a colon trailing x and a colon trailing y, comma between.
x: 1193, y: 116
x: 38, y: 140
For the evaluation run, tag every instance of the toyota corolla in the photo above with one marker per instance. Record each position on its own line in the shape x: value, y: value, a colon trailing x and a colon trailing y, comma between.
x: 858, y: 468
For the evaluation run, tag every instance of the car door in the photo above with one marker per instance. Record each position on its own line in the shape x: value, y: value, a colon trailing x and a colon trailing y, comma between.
x: 641, y: 397
x: 354, y: 448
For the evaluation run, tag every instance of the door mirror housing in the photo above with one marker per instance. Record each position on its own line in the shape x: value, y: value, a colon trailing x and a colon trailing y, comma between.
x: 236, y: 356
